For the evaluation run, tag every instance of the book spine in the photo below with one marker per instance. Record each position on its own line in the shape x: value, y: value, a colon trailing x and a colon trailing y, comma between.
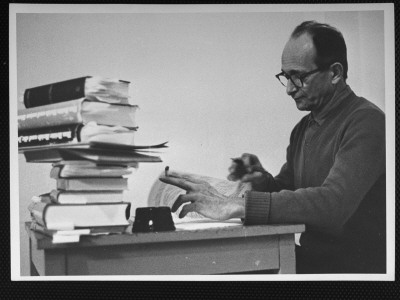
x: 84, y: 197
x: 74, y: 216
x: 41, y: 229
x: 45, y: 155
x: 55, y: 92
x: 37, y: 211
x: 65, y: 113
x: 49, y: 136
x: 55, y: 172
x: 62, y: 171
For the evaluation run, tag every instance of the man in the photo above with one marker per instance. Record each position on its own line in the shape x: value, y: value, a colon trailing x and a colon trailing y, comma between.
x: 333, y: 180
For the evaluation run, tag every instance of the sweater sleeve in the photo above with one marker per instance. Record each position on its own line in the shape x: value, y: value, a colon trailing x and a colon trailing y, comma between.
x: 257, y: 206
x: 358, y: 163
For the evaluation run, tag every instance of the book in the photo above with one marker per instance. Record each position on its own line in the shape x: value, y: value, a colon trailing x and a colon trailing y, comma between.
x: 51, y: 153
x: 88, y: 170
x: 74, y: 216
x: 162, y: 194
x: 35, y: 226
x: 92, y: 184
x: 136, y: 148
x: 109, y: 156
x: 113, y: 154
x: 81, y: 197
x: 75, y: 133
x: 79, y: 111
x: 59, y: 236
x: 90, y: 87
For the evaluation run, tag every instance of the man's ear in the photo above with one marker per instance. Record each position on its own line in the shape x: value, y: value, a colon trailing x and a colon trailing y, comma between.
x: 336, y: 70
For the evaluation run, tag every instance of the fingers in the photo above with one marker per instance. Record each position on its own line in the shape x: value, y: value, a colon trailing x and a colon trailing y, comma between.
x: 186, y: 176
x: 179, y: 182
x: 187, y: 209
x: 182, y: 199
x: 178, y: 202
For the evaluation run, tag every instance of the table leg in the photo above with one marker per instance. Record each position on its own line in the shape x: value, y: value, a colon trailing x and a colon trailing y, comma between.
x: 32, y: 268
x: 287, y: 254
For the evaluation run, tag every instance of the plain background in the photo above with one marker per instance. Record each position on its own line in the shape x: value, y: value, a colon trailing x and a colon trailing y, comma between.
x: 204, y: 82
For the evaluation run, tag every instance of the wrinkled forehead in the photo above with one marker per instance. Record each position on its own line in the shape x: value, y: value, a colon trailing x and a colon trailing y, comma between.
x: 299, y: 54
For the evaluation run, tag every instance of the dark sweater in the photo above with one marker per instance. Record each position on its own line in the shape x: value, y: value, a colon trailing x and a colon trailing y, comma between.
x: 333, y: 182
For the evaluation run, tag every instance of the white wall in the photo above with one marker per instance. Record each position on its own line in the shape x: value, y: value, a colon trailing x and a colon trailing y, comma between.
x: 204, y: 82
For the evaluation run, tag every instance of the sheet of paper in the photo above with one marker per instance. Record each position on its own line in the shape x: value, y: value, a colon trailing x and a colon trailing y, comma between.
x: 197, y: 224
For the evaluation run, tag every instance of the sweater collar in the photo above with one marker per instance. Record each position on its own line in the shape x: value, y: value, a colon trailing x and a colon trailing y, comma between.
x: 335, y: 102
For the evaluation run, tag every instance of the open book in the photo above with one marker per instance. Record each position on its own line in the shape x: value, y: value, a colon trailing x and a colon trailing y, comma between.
x: 162, y: 194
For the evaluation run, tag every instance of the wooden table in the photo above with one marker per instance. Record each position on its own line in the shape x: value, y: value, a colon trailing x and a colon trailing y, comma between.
x: 236, y: 249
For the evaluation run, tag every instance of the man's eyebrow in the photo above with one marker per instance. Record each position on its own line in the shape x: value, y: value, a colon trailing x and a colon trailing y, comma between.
x: 292, y: 72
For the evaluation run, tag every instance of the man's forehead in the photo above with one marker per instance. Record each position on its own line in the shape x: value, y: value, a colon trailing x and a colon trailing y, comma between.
x: 298, y: 54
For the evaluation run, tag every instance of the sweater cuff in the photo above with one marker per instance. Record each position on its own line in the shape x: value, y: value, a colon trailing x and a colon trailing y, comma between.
x: 257, y: 207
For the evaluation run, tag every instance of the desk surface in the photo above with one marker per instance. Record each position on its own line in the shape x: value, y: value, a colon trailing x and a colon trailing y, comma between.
x: 44, y: 242
x: 233, y: 249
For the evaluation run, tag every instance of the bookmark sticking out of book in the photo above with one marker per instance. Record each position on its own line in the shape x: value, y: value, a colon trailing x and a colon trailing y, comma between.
x: 105, y: 145
x: 109, y: 156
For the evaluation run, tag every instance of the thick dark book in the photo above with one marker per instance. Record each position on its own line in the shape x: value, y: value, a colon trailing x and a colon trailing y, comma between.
x: 79, y: 111
x: 74, y: 134
x: 96, y: 88
x: 74, y: 216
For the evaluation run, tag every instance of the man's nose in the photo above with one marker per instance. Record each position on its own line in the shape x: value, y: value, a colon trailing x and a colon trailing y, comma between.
x: 290, y: 88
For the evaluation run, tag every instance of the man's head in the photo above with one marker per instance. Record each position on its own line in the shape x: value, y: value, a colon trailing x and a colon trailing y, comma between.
x: 316, y: 60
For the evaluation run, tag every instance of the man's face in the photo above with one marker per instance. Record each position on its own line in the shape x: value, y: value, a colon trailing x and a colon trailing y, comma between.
x: 298, y: 58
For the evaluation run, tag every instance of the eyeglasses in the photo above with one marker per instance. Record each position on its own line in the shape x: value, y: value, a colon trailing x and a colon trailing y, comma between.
x: 296, y: 79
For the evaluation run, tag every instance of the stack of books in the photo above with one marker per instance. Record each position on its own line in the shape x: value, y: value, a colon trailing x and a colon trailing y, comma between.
x: 77, y: 111
x: 85, y: 128
x: 87, y: 197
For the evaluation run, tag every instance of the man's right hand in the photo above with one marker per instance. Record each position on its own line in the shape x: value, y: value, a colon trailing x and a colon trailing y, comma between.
x: 202, y: 198
x: 253, y: 172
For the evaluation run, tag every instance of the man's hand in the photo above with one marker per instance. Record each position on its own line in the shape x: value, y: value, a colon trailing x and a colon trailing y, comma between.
x: 203, y: 198
x: 248, y: 168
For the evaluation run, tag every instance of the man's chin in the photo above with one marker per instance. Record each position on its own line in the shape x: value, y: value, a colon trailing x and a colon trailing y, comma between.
x: 301, y: 106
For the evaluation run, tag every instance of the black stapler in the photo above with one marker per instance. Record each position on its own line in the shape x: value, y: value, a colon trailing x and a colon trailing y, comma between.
x: 152, y: 219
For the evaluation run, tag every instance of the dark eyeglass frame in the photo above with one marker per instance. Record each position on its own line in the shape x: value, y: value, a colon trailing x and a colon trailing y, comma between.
x: 301, y: 77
